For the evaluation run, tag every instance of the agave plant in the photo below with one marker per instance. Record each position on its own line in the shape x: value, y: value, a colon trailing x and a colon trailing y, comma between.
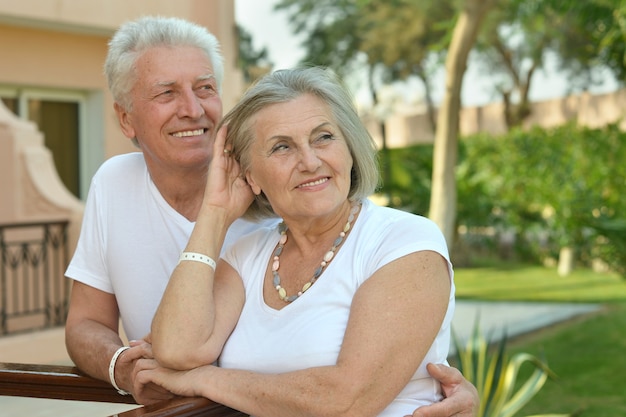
x: 495, y: 375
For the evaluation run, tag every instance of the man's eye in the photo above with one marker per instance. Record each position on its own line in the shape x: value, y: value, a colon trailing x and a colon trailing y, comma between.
x: 206, y: 91
x: 208, y: 87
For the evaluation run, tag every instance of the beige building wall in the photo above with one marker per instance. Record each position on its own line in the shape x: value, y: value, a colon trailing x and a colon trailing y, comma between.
x: 587, y: 109
x: 61, y: 45
x: 56, y: 49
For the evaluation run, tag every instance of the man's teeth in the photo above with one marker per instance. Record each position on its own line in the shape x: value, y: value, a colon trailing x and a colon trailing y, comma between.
x: 318, y: 182
x: 188, y: 133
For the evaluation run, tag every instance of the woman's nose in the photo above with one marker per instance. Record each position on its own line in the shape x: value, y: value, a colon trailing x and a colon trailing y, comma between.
x: 309, y: 160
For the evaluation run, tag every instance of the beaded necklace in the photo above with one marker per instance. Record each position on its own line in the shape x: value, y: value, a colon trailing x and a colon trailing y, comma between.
x: 328, y: 256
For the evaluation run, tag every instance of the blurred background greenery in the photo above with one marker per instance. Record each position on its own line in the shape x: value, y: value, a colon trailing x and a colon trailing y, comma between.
x: 529, y: 195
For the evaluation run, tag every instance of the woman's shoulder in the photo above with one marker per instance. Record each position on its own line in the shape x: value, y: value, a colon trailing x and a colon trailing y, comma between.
x: 387, y: 230
x: 385, y: 224
x: 385, y: 217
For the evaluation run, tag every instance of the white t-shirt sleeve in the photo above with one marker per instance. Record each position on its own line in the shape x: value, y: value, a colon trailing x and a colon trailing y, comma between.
x: 88, y: 263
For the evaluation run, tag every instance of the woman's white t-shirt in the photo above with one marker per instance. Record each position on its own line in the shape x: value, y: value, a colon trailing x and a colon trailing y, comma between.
x: 309, y: 331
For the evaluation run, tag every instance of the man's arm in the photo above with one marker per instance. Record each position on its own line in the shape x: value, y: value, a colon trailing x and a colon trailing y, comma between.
x: 91, y: 330
x: 92, y: 338
x: 461, y: 397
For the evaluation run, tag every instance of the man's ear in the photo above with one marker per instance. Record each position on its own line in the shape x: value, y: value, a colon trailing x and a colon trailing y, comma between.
x: 125, y: 120
x: 253, y: 185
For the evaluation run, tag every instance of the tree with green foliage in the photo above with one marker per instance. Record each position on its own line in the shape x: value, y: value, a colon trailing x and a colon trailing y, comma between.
x: 402, y: 36
x: 512, y: 47
x: 443, y: 201
x: 549, y: 188
x: 252, y: 63
x: 411, y: 173
x: 394, y: 40
x: 561, y: 189
x: 581, y: 36
x: 592, y: 33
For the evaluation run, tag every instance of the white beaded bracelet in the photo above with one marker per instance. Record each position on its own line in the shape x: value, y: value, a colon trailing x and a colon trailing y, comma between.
x: 198, y: 257
x: 112, y: 370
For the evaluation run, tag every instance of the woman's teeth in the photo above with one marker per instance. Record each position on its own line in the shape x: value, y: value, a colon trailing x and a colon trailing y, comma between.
x: 318, y: 182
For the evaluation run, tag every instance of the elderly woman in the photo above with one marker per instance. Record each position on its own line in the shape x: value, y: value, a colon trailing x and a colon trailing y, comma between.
x: 335, y: 311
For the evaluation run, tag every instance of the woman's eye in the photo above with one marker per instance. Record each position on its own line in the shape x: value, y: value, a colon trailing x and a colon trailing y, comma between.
x: 325, y: 137
x: 279, y: 147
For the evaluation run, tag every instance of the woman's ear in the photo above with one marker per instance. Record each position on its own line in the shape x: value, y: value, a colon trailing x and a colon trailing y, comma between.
x: 253, y: 185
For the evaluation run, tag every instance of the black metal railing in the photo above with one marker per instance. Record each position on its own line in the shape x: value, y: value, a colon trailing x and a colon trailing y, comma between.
x: 34, y: 293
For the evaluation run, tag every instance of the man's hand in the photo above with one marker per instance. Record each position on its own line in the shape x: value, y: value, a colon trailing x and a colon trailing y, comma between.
x: 461, y: 397
x: 133, y: 361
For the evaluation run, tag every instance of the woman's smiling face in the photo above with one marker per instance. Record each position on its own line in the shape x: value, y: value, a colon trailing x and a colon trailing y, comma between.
x: 299, y: 159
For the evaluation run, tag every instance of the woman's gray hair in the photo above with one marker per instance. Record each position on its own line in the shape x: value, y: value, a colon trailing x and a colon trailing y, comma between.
x: 135, y: 37
x: 286, y: 85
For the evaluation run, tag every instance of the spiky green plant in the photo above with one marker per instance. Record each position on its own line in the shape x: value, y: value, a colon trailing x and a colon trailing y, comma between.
x: 494, y: 375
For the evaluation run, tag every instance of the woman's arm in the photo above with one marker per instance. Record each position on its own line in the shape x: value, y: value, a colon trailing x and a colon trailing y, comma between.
x: 395, y: 316
x: 195, y: 318
x: 191, y: 323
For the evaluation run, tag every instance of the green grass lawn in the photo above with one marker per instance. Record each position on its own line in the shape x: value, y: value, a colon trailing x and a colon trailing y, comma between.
x: 588, y: 354
x: 508, y: 281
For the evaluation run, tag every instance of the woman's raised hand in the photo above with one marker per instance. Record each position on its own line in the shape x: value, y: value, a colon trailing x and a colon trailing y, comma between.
x: 226, y: 185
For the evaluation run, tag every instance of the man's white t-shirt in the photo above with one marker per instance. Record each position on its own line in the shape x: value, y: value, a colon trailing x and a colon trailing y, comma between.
x: 131, y: 240
x: 309, y: 331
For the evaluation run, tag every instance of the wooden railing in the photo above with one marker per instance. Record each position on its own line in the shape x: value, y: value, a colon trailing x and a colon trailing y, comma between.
x: 68, y: 383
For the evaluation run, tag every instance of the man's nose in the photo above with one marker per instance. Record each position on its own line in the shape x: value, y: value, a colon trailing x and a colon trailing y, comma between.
x: 190, y: 105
